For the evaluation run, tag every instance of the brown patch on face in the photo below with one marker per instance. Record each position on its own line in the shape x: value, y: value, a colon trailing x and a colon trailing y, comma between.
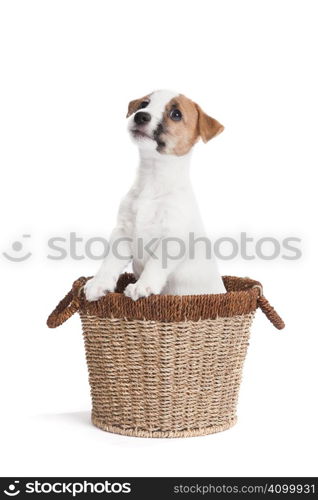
x: 183, y: 134
x: 134, y: 105
x: 180, y: 136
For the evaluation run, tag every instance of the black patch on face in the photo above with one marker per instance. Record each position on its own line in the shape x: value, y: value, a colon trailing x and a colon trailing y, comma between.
x: 156, y: 135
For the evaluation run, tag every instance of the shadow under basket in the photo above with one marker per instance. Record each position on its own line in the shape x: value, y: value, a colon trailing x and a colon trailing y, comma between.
x: 166, y: 366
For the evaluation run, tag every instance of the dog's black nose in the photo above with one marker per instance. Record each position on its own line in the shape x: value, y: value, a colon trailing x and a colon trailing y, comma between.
x: 142, y: 117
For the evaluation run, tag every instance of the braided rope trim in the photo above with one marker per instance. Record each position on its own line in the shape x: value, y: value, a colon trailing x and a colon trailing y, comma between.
x: 240, y: 299
x: 243, y: 296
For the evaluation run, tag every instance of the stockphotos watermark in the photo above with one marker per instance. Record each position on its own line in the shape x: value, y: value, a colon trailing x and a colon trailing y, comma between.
x: 75, y: 247
x: 68, y: 488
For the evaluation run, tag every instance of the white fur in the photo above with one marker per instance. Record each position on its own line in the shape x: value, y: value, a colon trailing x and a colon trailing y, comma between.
x: 161, y: 204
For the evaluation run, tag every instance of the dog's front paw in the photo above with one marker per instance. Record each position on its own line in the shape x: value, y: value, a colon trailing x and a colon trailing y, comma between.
x: 97, y: 287
x: 137, y: 290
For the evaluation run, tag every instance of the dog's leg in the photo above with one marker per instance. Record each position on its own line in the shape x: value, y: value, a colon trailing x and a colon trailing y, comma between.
x: 118, y: 258
x: 157, y: 269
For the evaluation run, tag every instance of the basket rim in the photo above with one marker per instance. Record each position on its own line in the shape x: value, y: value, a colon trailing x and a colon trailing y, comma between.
x: 241, y: 298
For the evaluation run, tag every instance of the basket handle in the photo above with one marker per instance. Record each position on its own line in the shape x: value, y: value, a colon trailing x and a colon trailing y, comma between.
x: 269, y: 310
x: 67, y: 306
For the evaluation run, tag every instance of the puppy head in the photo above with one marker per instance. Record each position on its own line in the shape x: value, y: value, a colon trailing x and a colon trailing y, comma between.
x: 169, y: 123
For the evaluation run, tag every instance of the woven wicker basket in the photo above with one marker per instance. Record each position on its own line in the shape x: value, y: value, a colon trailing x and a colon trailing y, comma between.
x: 166, y: 366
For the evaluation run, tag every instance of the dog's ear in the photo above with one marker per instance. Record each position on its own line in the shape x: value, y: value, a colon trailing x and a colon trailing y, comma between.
x: 208, y: 126
x: 134, y: 105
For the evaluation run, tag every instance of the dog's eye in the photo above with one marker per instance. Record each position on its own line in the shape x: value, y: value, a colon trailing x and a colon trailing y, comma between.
x: 143, y: 104
x: 175, y: 115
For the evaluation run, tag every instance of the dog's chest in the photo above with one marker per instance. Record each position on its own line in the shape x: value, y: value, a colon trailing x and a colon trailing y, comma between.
x: 149, y: 214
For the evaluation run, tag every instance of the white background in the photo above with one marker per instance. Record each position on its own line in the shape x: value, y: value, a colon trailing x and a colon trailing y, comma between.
x: 68, y: 70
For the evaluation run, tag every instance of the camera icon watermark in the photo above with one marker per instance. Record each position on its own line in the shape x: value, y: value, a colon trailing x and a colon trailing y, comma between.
x: 11, y: 490
x: 18, y: 253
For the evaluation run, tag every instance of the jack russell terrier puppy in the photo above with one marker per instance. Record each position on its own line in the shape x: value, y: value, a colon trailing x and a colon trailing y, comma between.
x: 160, y: 207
